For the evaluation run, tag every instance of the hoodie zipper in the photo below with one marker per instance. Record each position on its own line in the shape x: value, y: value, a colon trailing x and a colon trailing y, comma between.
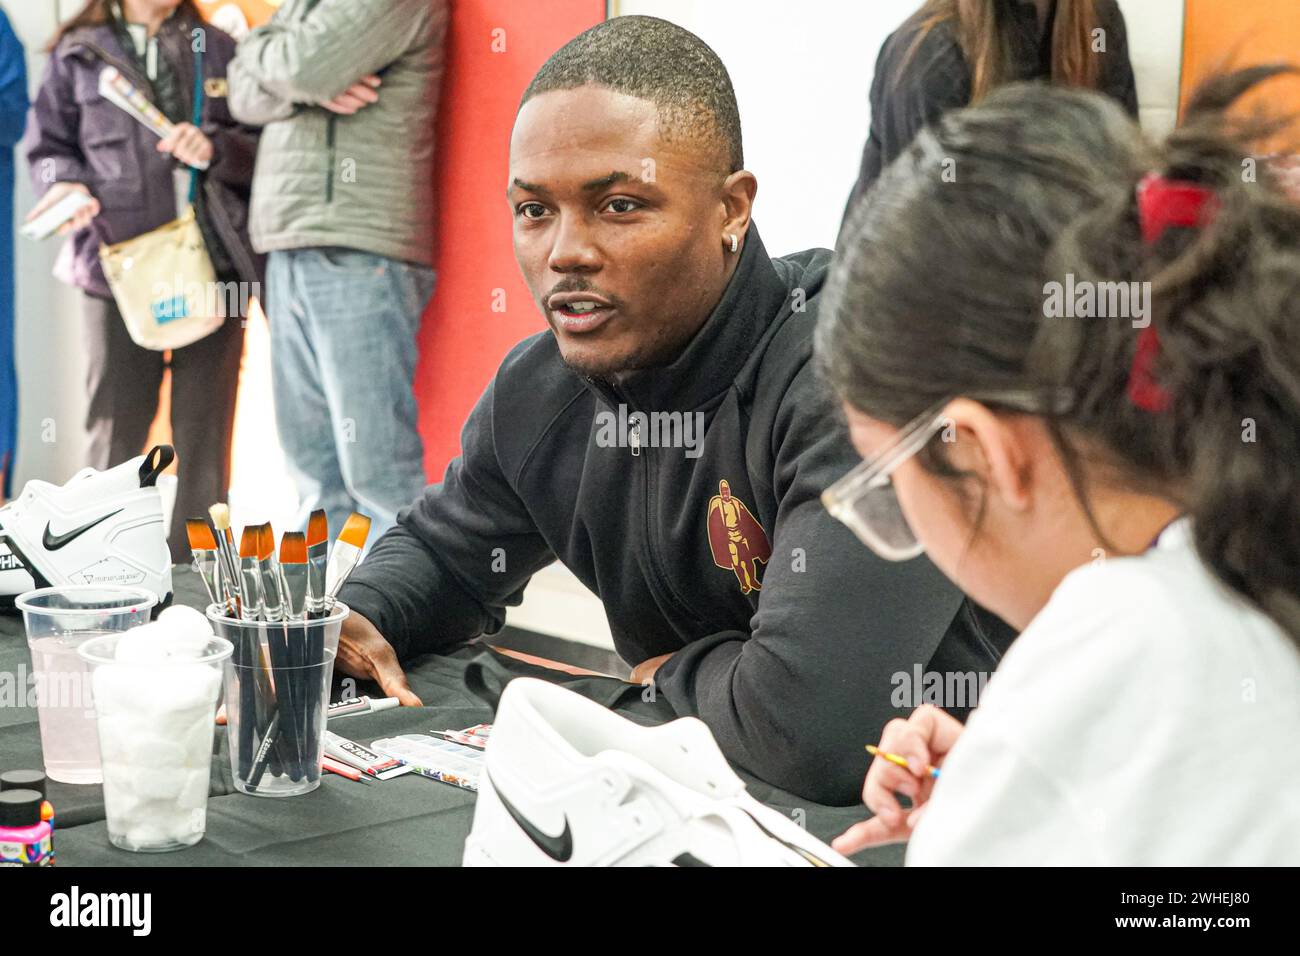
x: 658, y: 580
x: 329, y: 151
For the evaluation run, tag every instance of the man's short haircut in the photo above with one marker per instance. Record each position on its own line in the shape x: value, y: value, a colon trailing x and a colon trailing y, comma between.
x: 659, y: 61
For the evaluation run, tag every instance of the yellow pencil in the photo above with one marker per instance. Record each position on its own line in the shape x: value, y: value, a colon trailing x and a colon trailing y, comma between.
x: 900, y: 761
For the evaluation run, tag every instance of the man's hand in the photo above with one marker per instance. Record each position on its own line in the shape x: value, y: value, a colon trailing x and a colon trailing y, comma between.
x: 188, y: 144
x: 924, y: 739
x: 80, y: 219
x: 644, y: 672
x: 357, y: 96
x: 363, y: 652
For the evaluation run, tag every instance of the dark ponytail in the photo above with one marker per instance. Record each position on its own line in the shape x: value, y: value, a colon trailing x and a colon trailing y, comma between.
x: 940, y: 282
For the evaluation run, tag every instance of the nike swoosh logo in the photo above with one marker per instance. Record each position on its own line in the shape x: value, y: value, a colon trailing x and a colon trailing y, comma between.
x: 53, y: 542
x: 558, y: 848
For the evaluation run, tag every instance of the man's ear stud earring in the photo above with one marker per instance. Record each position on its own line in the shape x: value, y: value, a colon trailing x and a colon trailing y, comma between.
x: 735, y: 243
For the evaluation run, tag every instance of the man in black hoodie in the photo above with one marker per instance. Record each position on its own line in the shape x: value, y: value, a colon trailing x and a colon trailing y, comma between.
x: 667, y: 440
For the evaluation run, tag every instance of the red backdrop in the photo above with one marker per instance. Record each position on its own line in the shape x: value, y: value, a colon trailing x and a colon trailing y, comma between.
x: 494, y: 48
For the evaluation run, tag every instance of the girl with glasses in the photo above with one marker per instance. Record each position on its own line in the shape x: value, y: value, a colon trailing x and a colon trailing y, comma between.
x: 1074, y: 377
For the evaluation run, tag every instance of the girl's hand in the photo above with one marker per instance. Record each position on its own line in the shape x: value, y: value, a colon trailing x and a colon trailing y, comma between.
x: 188, y: 144
x: 80, y: 219
x: 924, y: 739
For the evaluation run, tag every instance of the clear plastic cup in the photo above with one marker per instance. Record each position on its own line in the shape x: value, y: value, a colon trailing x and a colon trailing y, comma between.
x: 58, y: 620
x: 277, y: 699
x: 157, y: 718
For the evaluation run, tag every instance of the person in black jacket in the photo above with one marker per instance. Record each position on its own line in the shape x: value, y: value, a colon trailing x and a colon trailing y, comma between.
x: 667, y: 440
x: 951, y: 53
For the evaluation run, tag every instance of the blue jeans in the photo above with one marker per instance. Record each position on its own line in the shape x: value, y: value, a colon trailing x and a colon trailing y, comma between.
x: 343, y: 351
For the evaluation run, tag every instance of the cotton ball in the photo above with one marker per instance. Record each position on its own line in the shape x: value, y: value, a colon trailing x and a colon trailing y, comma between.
x: 148, y: 833
x: 185, y: 622
x: 181, y: 695
x: 164, y: 783
x: 176, y: 821
x: 144, y: 644
x: 120, y: 798
x: 194, y: 792
x: 197, y: 740
x: 115, y: 730
x: 149, y: 749
x: 116, y: 690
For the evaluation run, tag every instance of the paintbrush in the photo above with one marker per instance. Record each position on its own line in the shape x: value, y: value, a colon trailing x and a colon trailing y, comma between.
x: 347, y: 553
x: 247, y: 647
x: 203, y: 544
x: 220, y: 514
x: 250, y: 580
x: 318, y: 546
x: 293, y: 574
x: 269, y: 575
x: 277, y: 643
x: 318, y: 543
x: 293, y: 586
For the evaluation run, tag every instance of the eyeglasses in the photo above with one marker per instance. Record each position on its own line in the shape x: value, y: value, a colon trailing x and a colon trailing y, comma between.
x: 865, y: 499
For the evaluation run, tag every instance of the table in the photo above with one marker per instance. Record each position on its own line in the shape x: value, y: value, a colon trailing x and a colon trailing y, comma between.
x: 405, y: 821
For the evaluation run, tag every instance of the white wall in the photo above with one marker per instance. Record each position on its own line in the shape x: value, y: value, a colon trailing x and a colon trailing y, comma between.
x: 802, y: 71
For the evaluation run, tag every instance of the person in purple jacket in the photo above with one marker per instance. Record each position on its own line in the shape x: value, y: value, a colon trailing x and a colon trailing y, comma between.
x: 78, y: 141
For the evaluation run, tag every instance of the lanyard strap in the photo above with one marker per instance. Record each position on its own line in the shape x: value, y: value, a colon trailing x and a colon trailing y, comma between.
x: 198, y: 116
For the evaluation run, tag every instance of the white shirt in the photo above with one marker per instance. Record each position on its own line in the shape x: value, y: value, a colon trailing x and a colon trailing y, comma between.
x: 1147, y: 716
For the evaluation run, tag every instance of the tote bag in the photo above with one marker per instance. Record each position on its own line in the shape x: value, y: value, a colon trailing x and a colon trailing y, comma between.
x: 163, y: 281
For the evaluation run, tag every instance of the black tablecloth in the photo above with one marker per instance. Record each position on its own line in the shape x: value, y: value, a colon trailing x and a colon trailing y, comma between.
x: 405, y: 821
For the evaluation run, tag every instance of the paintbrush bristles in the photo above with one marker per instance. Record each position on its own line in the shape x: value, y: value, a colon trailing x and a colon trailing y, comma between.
x: 201, y: 537
x: 293, y: 548
x: 318, y: 529
x: 356, y: 530
x: 248, y: 542
x: 265, y: 542
x: 220, y: 514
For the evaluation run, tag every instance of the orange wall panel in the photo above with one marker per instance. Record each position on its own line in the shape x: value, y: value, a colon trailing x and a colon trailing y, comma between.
x: 494, y: 48
x: 1235, y: 33
x: 256, y: 12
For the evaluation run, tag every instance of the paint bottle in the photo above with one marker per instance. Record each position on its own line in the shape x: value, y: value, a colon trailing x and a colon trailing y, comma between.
x: 29, y: 780
x: 25, y: 839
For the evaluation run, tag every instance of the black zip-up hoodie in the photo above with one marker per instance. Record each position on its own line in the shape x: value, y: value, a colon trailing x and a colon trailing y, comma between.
x: 793, y: 678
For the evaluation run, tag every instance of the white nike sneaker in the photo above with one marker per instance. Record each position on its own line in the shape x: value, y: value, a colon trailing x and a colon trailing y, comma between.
x: 569, y: 782
x: 102, y: 527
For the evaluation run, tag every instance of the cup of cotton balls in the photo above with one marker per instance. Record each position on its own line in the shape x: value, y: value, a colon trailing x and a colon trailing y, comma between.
x: 156, y: 688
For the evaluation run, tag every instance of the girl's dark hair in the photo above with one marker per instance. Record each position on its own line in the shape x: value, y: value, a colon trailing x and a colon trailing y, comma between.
x: 96, y: 12
x: 941, y: 278
x: 983, y: 31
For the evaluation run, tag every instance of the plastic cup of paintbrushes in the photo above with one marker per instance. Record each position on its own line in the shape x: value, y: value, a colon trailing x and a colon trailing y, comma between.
x: 277, y: 685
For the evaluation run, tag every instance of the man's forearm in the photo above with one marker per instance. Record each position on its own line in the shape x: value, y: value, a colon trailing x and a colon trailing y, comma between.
x: 316, y: 58
x: 415, y: 603
x: 252, y: 103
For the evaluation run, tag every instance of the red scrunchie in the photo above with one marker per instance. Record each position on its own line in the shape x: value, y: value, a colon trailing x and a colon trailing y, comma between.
x: 1163, y: 204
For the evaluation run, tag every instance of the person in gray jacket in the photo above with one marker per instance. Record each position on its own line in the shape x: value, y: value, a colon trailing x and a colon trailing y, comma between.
x: 347, y: 93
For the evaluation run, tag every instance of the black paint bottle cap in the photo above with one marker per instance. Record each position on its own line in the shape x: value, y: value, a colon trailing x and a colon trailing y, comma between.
x: 20, y: 808
x: 23, y: 780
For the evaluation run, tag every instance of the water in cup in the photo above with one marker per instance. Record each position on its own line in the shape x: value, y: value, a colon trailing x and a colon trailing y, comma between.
x: 58, y: 620
x: 66, y: 709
